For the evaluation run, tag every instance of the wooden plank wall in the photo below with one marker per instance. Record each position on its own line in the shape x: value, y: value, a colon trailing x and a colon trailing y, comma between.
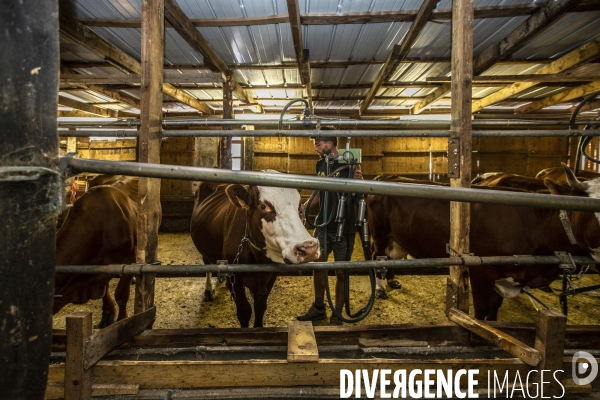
x: 111, y: 150
x: 417, y: 157
x: 177, y: 151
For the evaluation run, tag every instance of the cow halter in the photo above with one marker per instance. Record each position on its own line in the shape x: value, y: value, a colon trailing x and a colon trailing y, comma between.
x: 566, y: 223
x: 245, y: 239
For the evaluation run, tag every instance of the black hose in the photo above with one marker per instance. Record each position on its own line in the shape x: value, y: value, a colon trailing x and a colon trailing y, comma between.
x: 583, y: 142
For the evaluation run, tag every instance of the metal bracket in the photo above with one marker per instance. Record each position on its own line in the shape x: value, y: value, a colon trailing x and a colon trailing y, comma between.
x: 454, y: 158
x: 30, y: 173
x: 383, y: 270
x: 223, y: 270
x: 567, y: 263
x: 64, y: 166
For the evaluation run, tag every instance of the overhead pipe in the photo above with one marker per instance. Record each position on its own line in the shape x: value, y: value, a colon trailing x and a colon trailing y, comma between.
x: 194, y: 270
x: 405, y: 123
x: 74, y: 166
x: 341, y: 133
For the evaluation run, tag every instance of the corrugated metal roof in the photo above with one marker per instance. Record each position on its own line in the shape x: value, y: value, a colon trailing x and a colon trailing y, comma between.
x: 272, y: 44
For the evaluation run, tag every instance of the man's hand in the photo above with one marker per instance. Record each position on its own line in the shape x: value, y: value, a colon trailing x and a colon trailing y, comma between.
x: 357, y: 173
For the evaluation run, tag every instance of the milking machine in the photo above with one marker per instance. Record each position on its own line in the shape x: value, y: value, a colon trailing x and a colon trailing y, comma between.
x: 348, y: 204
x: 570, y: 268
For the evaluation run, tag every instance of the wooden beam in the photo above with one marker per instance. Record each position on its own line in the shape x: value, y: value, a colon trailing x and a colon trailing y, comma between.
x: 400, y: 51
x: 302, y: 345
x: 507, y: 11
x: 576, y: 57
x: 301, y: 58
x: 105, y: 340
x: 294, y: 65
x: 548, y: 13
x: 272, y: 373
x: 113, y: 94
x: 78, y: 380
x: 86, y: 37
x: 225, y: 156
x: 149, y: 142
x: 561, y: 97
x: 460, y: 150
x: 89, y: 108
x: 192, y: 36
x: 522, y: 78
x: 186, y: 29
x: 550, y: 343
x: 132, y: 79
x: 528, y: 355
x: 514, y: 41
x: 75, y: 113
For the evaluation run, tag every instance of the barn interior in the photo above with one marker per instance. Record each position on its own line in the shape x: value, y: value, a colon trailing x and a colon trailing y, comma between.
x: 437, y: 90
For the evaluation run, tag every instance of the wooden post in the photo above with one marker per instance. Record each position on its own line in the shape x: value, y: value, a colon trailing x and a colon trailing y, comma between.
x: 149, y: 145
x: 225, y: 146
x: 28, y: 204
x: 550, y: 342
x: 459, y: 148
x: 78, y: 381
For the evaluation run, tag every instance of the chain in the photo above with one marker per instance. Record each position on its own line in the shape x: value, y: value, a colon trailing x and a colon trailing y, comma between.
x: 231, y: 277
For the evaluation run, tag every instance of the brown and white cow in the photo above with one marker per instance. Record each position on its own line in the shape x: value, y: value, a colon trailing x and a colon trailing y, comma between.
x: 421, y: 227
x: 269, y: 217
x: 558, y: 175
x: 100, y: 229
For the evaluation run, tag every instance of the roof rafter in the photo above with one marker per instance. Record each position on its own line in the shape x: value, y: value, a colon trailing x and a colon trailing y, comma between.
x: 561, y: 97
x: 514, y: 10
x: 525, y: 32
x: 302, y: 55
x: 184, y: 27
x: 576, y: 57
x: 86, y: 37
x: 400, y: 51
x: 88, y: 108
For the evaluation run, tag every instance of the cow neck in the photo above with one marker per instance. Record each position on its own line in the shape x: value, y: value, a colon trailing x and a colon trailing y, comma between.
x: 566, y: 223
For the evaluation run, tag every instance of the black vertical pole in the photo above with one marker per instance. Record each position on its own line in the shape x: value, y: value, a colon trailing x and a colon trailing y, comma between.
x: 28, y: 188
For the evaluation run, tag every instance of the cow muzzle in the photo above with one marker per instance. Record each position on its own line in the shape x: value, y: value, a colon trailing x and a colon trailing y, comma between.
x: 306, y: 252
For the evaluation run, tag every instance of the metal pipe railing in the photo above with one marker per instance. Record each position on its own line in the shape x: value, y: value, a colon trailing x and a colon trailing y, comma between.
x: 338, y: 133
x: 312, y: 123
x: 78, y: 165
x: 191, y: 270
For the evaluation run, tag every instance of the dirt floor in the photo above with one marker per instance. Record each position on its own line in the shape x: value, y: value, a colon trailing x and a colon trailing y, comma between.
x: 179, y: 301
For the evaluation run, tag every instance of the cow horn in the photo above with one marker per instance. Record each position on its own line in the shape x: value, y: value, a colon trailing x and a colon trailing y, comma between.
x: 574, y: 183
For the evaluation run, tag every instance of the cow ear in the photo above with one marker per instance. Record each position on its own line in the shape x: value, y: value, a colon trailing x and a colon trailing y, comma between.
x: 239, y: 195
x: 556, y: 188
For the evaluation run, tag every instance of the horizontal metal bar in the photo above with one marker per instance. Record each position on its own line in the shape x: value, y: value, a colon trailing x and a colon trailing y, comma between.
x: 401, y: 123
x: 79, y: 165
x: 190, y: 270
x: 338, y: 133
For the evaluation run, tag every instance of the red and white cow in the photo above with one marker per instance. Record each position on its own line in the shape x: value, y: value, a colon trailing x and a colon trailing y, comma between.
x: 268, y: 218
x: 421, y: 227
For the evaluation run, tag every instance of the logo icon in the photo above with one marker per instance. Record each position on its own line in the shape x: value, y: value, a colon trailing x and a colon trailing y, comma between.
x: 581, y: 368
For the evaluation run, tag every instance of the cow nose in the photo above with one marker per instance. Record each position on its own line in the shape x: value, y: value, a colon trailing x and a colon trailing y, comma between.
x: 306, y: 249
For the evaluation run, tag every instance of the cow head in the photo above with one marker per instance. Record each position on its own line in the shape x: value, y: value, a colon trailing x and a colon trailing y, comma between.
x: 274, y: 223
x: 585, y: 226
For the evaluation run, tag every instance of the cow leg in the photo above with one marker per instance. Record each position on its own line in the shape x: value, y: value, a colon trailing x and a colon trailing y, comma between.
x: 380, y: 291
x: 495, y: 303
x: 482, y: 287
x: 209, y: 288
x: 109, y: 310
x: 260, y: 301
x: 243, y: 307
x: 122, y: 295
